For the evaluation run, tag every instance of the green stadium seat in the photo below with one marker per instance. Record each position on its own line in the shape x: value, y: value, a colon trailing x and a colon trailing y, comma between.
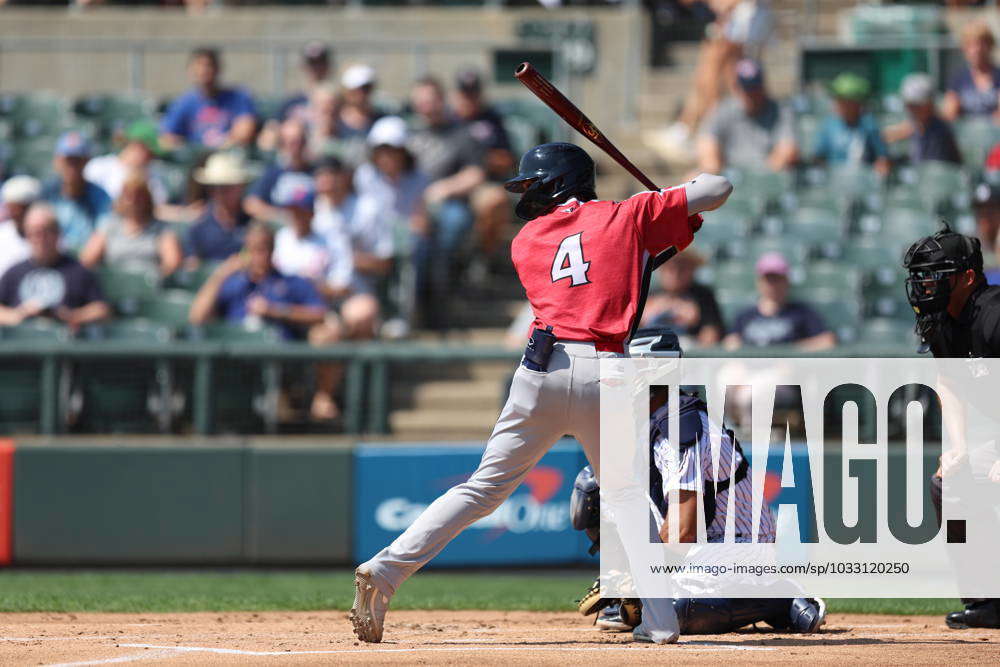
x: 249, y: 402
x: 21, y: 380
x: 889, y: 331
x: 749, y: 250
x: 733, y: 300
x: 126, y: 395
x: 975, y: 139
x: 232, y: 333
x: 842, y: 315
x: 126, y: 288
x: 169, y: 307
x: 191, y: 280
x: 842, y: 278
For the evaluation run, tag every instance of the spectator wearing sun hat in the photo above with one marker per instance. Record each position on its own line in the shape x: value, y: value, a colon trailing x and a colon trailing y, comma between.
x: 77, y: 202
x: 850, y: 135
x: 17, y: 195
x: 931, y: 136
x: 219, y: 232
x: 776, y: 320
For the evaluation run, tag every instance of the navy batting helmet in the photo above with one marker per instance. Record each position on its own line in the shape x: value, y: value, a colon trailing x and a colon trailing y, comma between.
x: 550, y: 174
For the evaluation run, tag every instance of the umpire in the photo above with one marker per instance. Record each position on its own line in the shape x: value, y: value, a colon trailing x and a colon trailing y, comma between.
x: 958, y: 315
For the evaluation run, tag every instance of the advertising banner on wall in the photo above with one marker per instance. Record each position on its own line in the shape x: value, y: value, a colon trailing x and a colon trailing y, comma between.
x: 394, y: 483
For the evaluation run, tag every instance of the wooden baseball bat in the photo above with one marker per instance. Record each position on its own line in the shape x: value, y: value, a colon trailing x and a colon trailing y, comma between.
x: 546, y: 92
x: 569, y: 112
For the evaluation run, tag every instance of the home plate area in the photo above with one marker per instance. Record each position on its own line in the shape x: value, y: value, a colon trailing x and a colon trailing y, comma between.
x: 452, y: 637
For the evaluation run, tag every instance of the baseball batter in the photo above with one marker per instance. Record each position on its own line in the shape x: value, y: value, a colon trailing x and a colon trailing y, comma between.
x: 584, y: 265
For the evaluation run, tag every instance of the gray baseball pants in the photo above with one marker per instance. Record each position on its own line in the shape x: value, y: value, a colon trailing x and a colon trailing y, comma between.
x: 541, y: 408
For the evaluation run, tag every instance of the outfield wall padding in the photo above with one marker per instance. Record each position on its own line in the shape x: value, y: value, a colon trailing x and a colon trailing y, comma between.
x: 192, y: 505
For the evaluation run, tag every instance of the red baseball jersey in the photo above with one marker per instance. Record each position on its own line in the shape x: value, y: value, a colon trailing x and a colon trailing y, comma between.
x: 582, y: 265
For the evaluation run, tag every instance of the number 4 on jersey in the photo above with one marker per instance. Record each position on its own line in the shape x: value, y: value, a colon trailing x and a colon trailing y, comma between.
x: 569, y: 263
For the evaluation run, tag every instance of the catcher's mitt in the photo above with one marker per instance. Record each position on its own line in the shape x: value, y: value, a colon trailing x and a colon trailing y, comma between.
x: 592, y: 602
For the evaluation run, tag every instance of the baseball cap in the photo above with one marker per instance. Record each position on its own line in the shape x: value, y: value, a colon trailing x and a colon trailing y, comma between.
x: 917, y: 89
x: 73, y: 144
x: 850, y: 86
x: 468, y: 81
x: 330, y: 163
x: 146, y: 133
x: 749, y: 74
x: 389, y: 131
x: 315, y: 52
x: 357, y: 76
x: 20, y: 190
x: 772, y: 263
x: 295, y: 190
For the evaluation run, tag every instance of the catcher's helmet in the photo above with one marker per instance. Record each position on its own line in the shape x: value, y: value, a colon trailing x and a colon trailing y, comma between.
x: 550, y: 174
x: 931, y: 261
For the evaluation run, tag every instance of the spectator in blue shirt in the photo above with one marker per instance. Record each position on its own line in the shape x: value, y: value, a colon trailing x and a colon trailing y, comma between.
x: 774, y: 319
x: 974, y: 90
x: 209, y: 114
x: 931, y: 137
x: 78, y: 203
x: 292, y: 163
x: 851, y: 136
x: 218, y: 233
x: 247, y: 290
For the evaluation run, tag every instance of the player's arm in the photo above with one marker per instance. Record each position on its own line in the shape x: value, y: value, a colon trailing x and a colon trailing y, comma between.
x: 706, y: 192
x: 687, y: 519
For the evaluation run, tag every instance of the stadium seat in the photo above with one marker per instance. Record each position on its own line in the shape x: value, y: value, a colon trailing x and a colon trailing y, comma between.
x: 126, y: 289
x: 842, y: 315
x: 249, y: 404
x: 169, y: 307
x: 889, y: 331
x: 191, y: 280
x: 127, y: 395
x: 840, y: 277
x: 21, y: 380
x: 975, y: 139
x: 733, y: 300
x: 749, y: 250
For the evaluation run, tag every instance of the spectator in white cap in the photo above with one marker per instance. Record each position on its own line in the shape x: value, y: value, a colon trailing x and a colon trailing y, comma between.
x: 390, y: 191
x: 357, y: 112
x: 775, y: 319
x: 931, y: 137
x: 78, y: 203
x: 17, y: 194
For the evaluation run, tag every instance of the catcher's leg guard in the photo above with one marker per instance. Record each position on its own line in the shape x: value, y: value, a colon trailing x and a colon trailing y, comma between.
x: 711, y: 616
x: 807, y: 614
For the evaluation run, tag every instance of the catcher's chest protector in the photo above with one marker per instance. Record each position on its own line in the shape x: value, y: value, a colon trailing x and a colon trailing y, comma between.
x: 691, y: 433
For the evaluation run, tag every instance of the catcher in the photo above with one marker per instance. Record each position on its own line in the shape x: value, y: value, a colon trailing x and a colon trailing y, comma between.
x: 692, y: 473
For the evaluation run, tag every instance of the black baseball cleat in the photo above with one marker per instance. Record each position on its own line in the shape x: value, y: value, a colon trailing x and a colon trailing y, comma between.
x: 975, y: 615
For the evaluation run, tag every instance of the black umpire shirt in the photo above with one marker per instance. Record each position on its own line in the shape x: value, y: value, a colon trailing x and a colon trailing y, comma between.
x: 976, y: 332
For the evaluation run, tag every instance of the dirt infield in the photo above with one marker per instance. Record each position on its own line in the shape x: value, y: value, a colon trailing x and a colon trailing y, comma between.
x: 461, y: 637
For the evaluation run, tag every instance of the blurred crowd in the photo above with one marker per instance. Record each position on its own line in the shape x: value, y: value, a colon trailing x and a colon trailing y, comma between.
x: 732, y: 122
x: 342, y: 202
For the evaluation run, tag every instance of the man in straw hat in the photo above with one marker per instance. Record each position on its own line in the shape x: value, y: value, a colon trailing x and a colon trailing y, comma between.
x: 218, y: 233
